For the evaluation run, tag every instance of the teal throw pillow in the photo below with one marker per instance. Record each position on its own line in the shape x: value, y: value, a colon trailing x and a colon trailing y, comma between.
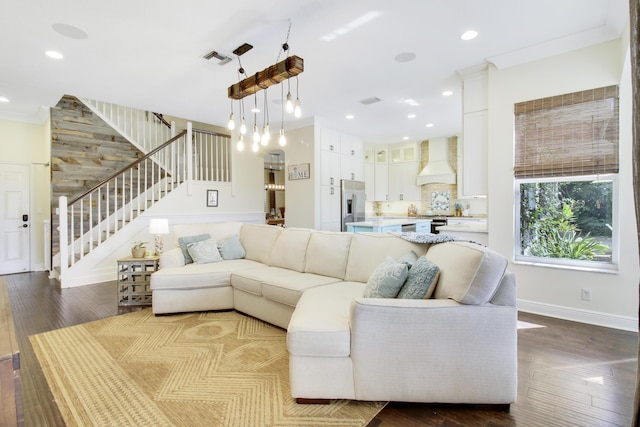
x: 386, y: 279
x: 204, y: 251
x: 421, y: 280
x: 409, y: 258
x: 184, y: 245
x: 231, y: 248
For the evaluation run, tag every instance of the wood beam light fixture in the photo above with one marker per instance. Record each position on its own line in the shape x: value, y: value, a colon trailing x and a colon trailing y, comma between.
x: 275, y: 74
x: 283, y: 70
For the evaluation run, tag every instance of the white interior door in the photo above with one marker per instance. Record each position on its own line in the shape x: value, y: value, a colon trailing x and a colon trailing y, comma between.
x: 14, y: 218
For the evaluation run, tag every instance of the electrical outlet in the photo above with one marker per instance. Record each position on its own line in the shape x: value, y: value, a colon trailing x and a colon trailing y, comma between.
x: 586, y: 294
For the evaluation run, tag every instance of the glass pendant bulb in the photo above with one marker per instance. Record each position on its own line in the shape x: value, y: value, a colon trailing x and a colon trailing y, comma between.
x: 232, y: 123
x: 240, y: 144
x: 243, y: 127
x: 256, y: 134
x: 266, y: 136
x: 282, y: 140
x: 289, y: 105
x: 297, y: 112
x: 255, y: 147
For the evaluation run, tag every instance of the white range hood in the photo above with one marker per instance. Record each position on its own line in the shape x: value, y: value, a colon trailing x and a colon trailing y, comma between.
x: 438, y: 169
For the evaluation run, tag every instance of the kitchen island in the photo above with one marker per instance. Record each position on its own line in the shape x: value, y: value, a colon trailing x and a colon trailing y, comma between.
x: 395, y: 224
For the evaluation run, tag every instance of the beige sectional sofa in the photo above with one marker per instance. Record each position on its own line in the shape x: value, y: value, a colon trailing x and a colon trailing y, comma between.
x: 459, y: 346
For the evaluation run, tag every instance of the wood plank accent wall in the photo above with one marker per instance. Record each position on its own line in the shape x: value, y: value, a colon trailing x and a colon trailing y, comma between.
x: 84, y: 151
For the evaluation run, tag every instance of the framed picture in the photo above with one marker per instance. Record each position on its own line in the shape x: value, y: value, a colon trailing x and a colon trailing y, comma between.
x: 212, y: 198
x: 300, y: 171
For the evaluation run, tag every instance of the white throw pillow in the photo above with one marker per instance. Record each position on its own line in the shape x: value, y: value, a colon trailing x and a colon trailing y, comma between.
x: 204, y: 251
x: 386, y: 280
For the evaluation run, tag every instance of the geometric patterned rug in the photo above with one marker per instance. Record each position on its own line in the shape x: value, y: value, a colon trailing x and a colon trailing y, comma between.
x: 197, y: 369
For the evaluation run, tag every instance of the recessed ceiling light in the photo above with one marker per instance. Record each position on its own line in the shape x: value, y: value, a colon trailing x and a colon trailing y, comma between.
x: 429, y: 125
x: 69, y: 31
x: 405, y: 57
x: 4, y: 99
x: 469, y: 35
x: 404, y: 138
x: 349, y: 116
x: 447, y: 93
x: 53, y: 54
x: 411, y: 116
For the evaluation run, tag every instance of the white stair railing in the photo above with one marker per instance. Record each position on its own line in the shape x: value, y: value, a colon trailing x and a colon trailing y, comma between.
x: 144, y: 129
x: 89, y: 220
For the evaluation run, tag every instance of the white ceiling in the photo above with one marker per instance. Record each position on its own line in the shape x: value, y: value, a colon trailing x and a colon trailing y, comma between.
x: 148, y: 54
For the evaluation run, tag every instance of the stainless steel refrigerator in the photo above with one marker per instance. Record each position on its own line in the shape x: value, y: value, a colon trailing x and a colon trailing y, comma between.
x: 352, y: 202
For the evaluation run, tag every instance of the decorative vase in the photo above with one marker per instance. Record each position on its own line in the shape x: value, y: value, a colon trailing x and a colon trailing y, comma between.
x: 137, y: 252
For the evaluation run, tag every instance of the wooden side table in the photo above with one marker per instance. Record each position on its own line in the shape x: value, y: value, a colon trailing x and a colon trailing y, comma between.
x: 134, y: 280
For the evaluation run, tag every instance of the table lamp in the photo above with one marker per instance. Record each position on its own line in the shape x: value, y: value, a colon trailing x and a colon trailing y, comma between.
x: 158, y: 227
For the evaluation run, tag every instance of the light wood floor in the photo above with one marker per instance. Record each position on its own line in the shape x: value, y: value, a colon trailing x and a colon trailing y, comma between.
x: 569, y: 374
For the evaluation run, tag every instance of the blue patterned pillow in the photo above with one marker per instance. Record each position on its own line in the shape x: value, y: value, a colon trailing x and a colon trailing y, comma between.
x: 184, y: 245
x: 204, y: 251
x: 421, y: 280
x: 386, y: 280
x: 231, y: 248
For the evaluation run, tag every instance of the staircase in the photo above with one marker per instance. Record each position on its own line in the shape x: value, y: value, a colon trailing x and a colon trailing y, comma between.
x: 100, y: 213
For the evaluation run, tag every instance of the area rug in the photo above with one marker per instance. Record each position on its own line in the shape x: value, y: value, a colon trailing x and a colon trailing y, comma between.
x: 200, y: 369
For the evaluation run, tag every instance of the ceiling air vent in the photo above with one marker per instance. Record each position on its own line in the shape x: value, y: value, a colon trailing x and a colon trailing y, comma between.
x: 370, y: 101
x: 220, y: 57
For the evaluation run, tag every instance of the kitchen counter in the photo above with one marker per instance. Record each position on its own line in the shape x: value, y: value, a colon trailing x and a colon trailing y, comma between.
x: 473, y: 231
x: 473, y: 227
x: 384, y: 225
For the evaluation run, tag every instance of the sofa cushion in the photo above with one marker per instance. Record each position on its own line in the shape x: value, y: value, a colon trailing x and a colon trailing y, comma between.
x: 386, y: 280
x: 288, y: 289
x: 290, y: 249
x: 320, y: 324
x: 370, y: 249
x: 217, y: 230
x: 185, y: 241
x: 250, y: 281
x: 421, y: 280
x: 197, y: 276
x: 204, y: 251
x: 231, y: 248
x: 469, y: 273
x: 258, y: 241
x: 327, y: 253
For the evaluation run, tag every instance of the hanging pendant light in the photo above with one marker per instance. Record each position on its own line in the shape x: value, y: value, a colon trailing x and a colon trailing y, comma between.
x: 282, y: 140
x: 297, y: 111
x: 232, y: 124
x: 240, y: 144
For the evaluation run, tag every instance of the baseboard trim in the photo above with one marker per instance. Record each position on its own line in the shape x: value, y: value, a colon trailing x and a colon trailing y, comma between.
x: 577, y: 315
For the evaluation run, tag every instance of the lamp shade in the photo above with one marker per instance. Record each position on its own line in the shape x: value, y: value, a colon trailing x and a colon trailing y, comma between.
x: 159, y: 226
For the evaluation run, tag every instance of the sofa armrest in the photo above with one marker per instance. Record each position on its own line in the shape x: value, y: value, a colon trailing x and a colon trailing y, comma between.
x: 430, y: 348
x: 172, y: 258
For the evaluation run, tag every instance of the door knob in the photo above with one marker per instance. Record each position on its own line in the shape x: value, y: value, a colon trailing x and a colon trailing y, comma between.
x: 23, y: 226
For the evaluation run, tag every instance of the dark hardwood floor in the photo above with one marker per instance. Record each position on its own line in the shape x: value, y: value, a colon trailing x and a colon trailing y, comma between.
x: 569, y: 374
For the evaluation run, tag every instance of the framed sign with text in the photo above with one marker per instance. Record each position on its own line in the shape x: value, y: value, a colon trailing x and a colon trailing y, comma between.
x: 300, y: 171
x: 212, y: 198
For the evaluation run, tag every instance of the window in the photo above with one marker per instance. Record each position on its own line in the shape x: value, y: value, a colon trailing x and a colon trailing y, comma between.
x: 566, y: 166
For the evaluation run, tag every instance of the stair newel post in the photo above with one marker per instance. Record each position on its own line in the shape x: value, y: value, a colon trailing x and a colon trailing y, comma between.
x: 63, y: 236
x: 189, y: 158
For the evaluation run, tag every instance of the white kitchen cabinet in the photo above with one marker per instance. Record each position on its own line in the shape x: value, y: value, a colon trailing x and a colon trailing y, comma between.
x: 341, y: 157
x: 330, y: 171
x: 473, y: 148
x: 330, y: 208
x: 381, y: 182
x: 369, y: 181
x: 402, y: 181
x: 474, y: 158
x: 403, y: 153
x: 395, y: 168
